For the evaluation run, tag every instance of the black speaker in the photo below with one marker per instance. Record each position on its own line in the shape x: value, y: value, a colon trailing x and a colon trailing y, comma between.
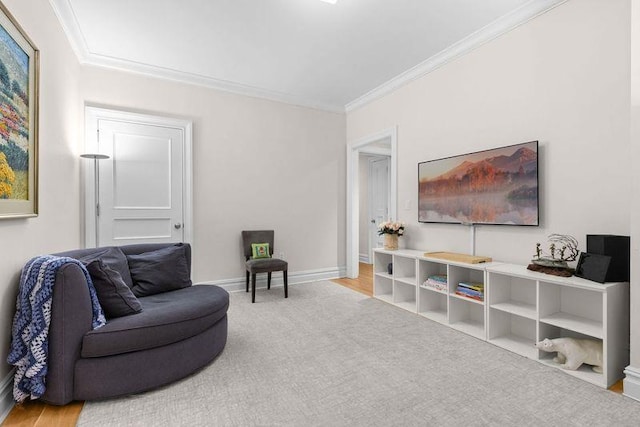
x: 593, y: 267
x: 618, y: 248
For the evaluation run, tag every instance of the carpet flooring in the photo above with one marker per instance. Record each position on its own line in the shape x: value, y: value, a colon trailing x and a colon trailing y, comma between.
x: 329, y: 356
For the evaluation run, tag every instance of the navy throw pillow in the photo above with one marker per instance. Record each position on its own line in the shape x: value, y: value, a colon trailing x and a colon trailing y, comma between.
x: 160, y: 271
x: 114, y: 295
x: 115, y: 259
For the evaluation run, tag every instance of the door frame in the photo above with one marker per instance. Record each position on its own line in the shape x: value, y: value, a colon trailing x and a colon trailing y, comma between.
x: 92, y: 116
x: 366, y: 145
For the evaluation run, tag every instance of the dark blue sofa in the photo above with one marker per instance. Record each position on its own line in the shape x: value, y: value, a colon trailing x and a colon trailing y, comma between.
x: 177, y: 333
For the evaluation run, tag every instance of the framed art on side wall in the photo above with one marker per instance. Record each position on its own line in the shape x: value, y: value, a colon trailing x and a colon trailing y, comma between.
x: 19, y: 63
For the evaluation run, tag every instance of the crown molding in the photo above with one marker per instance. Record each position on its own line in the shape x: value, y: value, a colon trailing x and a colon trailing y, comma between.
x: 504, y: 24
x: 66, y: 16
x: 205, y: 81
x: 489, y: 32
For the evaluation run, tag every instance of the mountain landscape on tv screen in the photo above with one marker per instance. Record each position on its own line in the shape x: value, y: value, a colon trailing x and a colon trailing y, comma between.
x: 495, y: 189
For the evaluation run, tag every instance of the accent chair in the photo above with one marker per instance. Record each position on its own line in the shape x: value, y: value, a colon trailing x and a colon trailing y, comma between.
x: 266, y: 264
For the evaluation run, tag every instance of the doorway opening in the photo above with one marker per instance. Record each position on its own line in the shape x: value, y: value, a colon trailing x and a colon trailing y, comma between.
x: 382, y: 144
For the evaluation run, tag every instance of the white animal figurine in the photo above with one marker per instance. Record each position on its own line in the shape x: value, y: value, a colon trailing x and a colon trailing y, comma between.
x: 572, y: 352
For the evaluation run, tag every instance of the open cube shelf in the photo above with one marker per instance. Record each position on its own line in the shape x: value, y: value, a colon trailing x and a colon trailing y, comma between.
x: 513, y: 295
x: 381, y: 261
x: 404, y: 295
x: 585, y: 372
x: 404, y: 270
x: 383, y: 288
x: 427, y: 269
x: 467, y: 316
x: 433, y: 304
x: 572, y: 308
x: 464, y: 274
x: 513, y: 332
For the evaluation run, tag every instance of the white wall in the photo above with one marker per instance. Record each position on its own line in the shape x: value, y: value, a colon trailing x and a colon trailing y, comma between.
x: 56, y: 228
x: 256, y: 164
x: 562, y: 79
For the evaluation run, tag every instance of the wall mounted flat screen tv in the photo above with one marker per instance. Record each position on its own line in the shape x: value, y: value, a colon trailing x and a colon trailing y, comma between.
x: 498, y: 186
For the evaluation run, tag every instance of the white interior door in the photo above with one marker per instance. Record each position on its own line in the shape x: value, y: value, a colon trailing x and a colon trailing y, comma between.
x: 141, y: 185
x: 378, y: 199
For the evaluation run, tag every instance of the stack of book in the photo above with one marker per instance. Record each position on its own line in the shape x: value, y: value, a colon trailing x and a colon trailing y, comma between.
x: 471, y: 290
x: 437, y: 281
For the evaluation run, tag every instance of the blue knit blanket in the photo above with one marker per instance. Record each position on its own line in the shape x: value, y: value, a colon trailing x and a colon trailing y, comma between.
x: 29, y: 342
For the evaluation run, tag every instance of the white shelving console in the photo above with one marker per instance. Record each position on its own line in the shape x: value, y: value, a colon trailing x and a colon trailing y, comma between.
x: 520, y: 307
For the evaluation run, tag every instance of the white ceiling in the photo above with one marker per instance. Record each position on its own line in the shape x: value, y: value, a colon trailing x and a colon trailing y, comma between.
x: 306, y: 52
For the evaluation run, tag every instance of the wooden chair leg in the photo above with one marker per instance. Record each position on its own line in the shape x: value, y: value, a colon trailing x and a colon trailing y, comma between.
x: 286, y: 287
x: 247, y: 281
x: 269, y: 280
x: 253, y: 287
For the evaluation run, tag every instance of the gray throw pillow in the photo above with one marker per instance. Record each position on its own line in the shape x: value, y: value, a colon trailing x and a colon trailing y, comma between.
x: 115, y: 259
x: 160, y: 271
x: 114, y: 295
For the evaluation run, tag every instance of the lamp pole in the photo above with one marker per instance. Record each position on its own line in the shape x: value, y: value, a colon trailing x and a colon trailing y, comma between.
x: 96, y: 183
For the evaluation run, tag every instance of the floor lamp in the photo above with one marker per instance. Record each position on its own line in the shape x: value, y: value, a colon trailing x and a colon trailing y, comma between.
x: 96, y: 182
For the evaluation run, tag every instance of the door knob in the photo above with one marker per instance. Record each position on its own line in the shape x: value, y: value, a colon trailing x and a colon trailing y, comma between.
x: 177, y: 226
x: 373, y: 221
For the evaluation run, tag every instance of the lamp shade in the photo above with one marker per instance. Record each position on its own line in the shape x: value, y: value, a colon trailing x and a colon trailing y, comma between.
x: 95, y: 156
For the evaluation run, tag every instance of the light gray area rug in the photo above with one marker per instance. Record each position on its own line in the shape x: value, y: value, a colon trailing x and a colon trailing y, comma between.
x: 333, y: 357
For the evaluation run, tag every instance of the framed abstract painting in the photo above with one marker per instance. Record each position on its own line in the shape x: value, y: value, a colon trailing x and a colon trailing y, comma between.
x: 19, y: 63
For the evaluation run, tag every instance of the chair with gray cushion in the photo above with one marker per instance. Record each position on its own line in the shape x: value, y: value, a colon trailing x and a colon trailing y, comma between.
x: 262, y: 265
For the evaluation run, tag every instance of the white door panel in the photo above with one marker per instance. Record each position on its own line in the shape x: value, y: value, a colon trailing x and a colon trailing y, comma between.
x: 133, y: 228
x: 141, y: 185
x: 141, y: 172
x: 379, y: 199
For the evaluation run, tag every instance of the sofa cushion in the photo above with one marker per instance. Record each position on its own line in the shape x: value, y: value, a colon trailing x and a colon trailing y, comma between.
x: 166, y: 318
x: 159, y: 271
x: 114, y: 295
x: 114, y: 258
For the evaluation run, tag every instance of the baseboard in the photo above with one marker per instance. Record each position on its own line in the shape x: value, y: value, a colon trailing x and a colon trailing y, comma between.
x: 631, y: 382
x: 6, y: 396
x: 364, y: 258
x: 239, y: 284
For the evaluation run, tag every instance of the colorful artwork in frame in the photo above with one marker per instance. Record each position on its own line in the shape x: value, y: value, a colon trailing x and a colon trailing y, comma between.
x: 18, y: 120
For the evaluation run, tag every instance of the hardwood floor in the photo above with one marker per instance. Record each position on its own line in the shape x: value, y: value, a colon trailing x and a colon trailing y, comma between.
x: 364, y: 282
x: 37, y: 414
x: 617, y: 387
